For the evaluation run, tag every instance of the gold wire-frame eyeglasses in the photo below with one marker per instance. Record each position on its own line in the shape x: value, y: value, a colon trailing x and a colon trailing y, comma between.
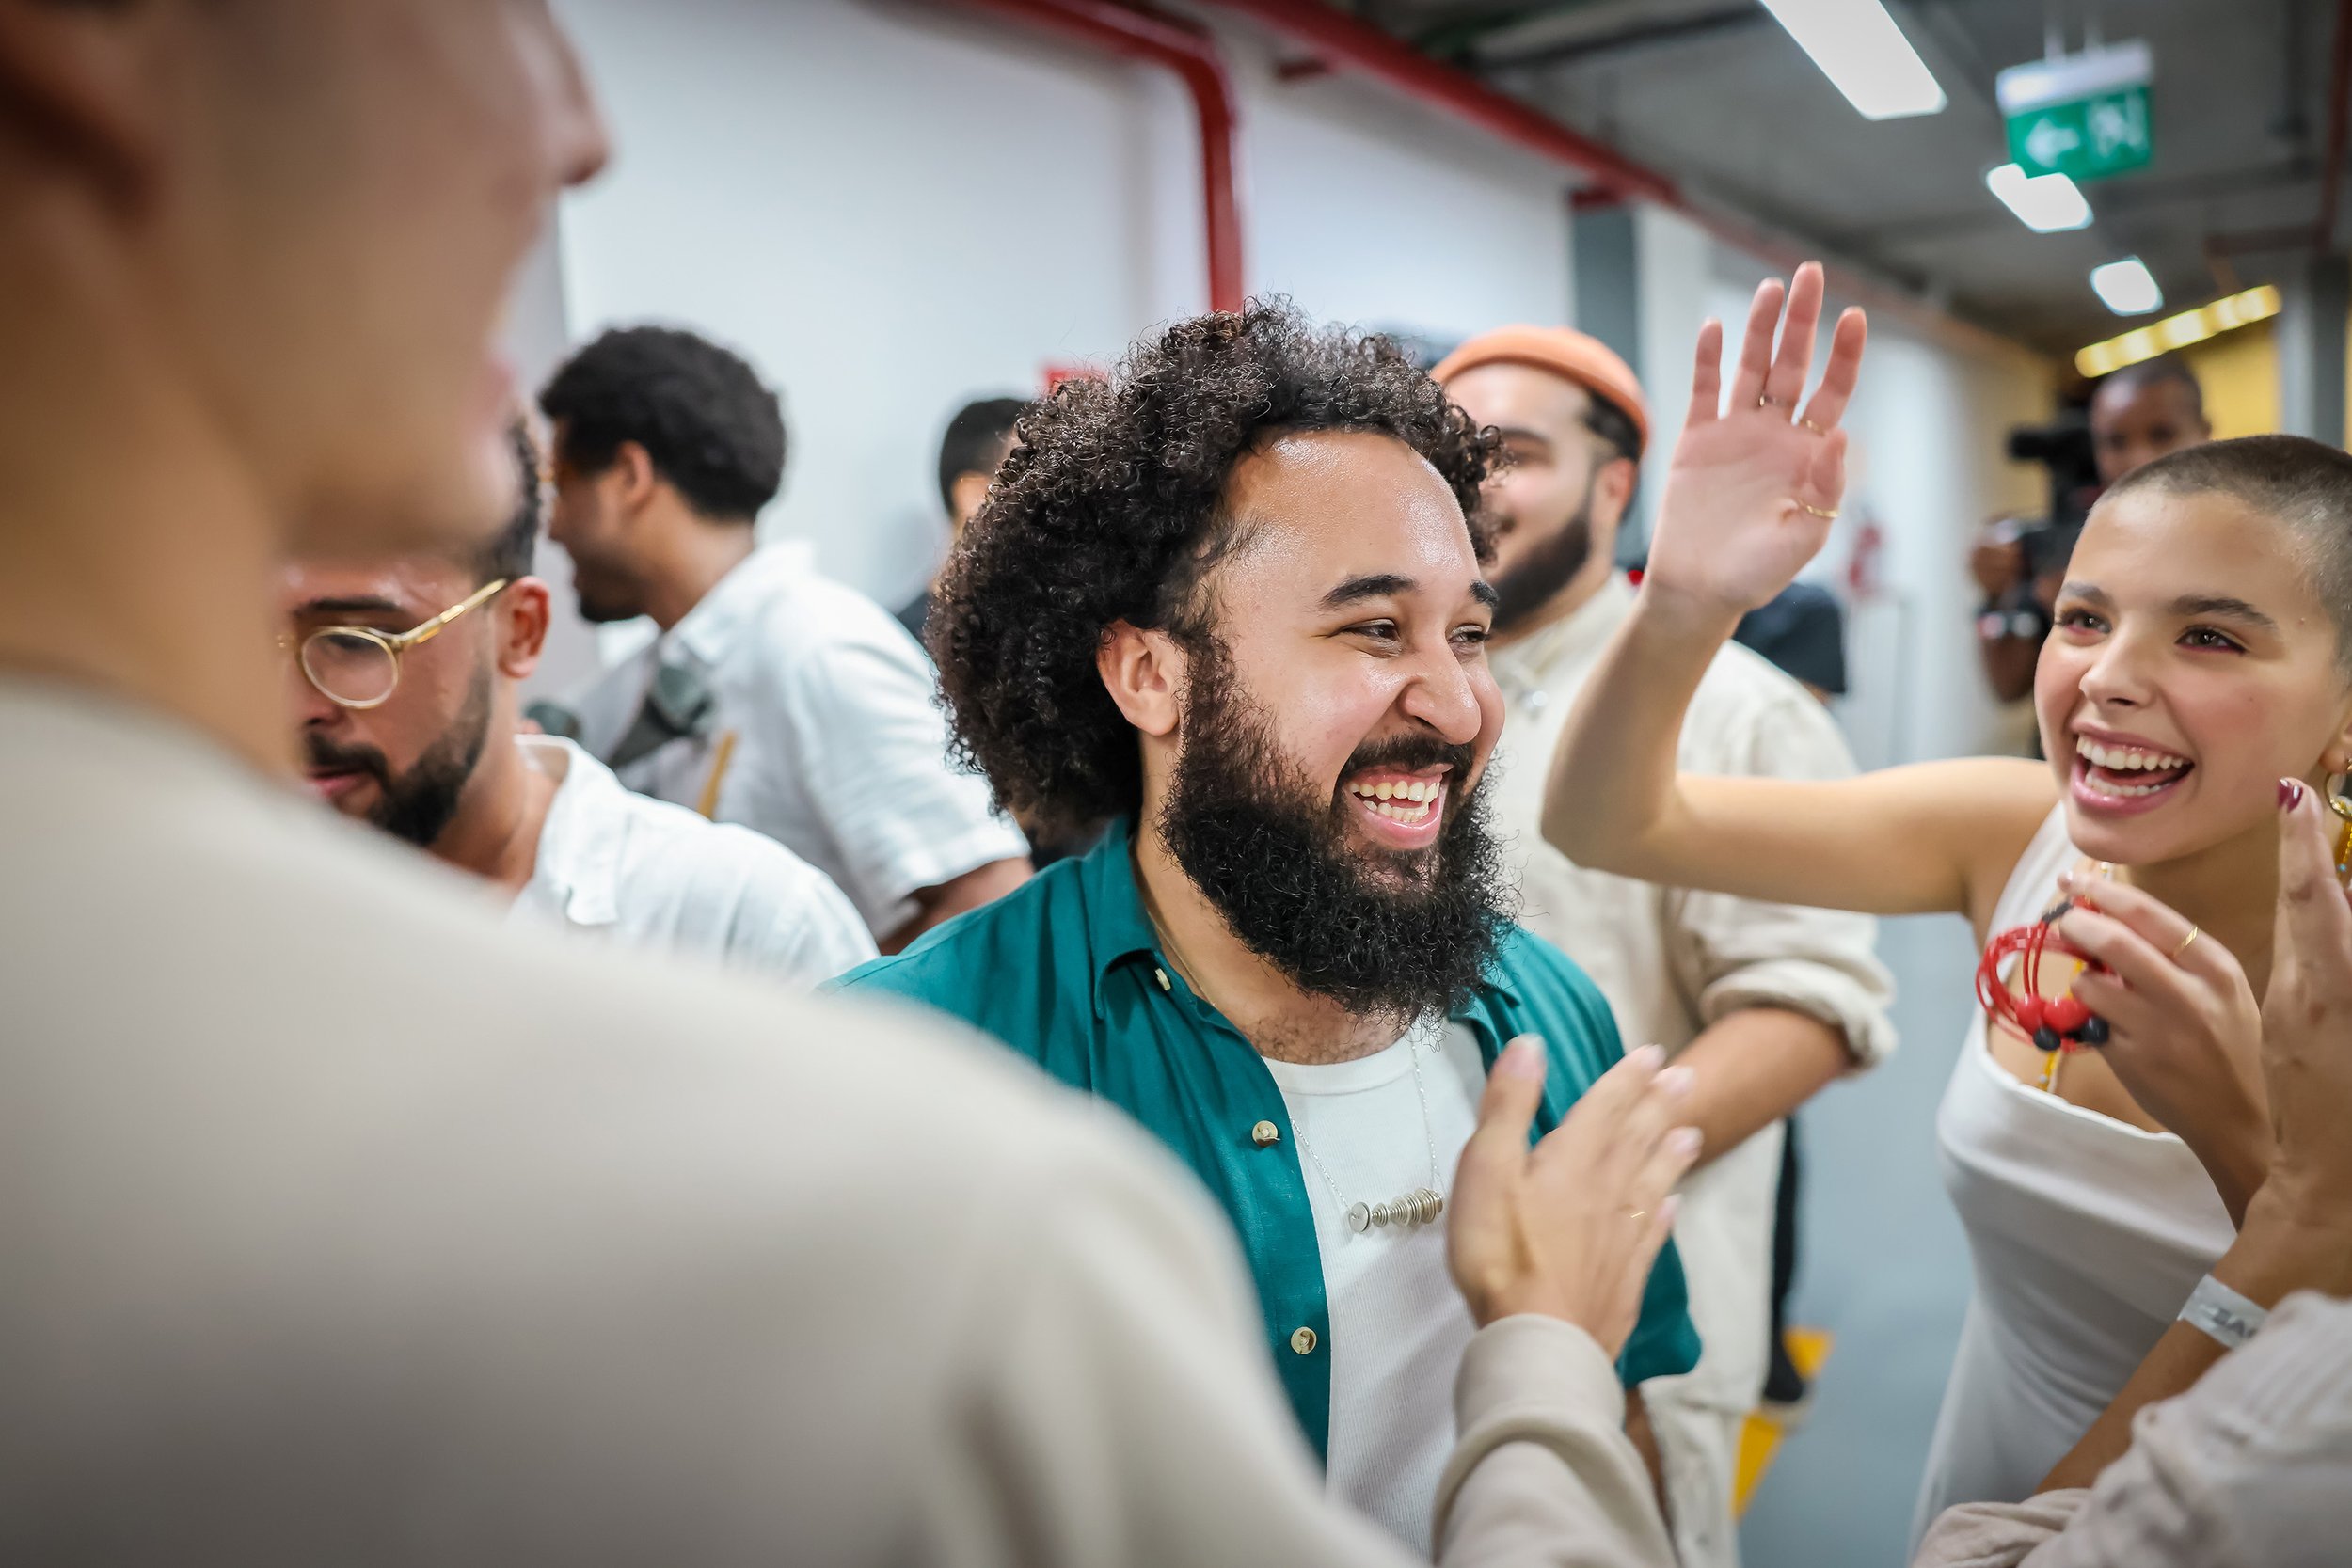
x: 359, y: 667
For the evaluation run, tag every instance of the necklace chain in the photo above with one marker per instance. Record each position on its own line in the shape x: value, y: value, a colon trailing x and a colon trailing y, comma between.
x: 1418, y: 1207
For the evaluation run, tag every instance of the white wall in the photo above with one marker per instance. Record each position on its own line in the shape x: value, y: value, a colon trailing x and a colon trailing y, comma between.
x: 891, y: 207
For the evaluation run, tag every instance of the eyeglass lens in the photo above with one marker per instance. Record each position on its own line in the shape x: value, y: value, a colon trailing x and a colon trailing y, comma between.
x: 349, y: 668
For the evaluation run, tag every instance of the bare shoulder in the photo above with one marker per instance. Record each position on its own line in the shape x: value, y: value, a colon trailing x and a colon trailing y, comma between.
x: 1989, y: 809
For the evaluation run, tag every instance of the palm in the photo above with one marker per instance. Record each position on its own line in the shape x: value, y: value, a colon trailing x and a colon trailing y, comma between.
x: 1751, y: 493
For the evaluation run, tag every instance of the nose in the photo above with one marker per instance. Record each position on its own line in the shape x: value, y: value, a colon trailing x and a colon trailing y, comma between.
x: 2118, y: 677
x: 579, y: 145
x: 1442, y: 694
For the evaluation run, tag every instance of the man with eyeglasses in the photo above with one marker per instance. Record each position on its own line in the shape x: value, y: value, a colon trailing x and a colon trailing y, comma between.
x: 408, y: 712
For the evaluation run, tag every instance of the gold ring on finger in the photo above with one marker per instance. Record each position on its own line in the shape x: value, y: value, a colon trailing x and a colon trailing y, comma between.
x: 1766, y: 400
x: 1827, y: 513
x: 1817, y: 430
x: 1637, y: 1213
x: 2194, y: 932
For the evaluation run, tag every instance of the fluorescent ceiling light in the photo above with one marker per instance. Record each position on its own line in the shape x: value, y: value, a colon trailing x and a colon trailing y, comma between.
x: 2046, y: 203
x: 1864, y: 54
x: 2189, y: 327
x: 2126, y: 288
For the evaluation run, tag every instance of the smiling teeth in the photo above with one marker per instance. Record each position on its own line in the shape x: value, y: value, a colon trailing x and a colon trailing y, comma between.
x: 1407, y: 801
x: 2125, y: 758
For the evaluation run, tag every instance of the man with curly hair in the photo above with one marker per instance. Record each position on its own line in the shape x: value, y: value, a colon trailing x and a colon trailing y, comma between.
x: 1229, y: 604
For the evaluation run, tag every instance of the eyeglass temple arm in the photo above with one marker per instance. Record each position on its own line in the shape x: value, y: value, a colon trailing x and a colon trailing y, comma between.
x: 432, y: 628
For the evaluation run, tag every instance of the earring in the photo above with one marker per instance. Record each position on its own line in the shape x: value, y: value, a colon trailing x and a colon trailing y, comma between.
x: 2336, y: 789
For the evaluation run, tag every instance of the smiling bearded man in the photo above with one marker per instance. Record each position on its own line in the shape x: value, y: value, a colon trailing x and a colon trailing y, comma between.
x: 1227, y: 605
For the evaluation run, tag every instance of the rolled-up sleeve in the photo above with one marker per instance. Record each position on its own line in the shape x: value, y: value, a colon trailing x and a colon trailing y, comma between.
x: 1736, y: 953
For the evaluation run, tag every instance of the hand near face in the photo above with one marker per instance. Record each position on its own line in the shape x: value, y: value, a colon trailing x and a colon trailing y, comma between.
x: 1752, y: 491
x: 2186, y: 1032
x: 1569, y: 1228
x: 2306, y: 1019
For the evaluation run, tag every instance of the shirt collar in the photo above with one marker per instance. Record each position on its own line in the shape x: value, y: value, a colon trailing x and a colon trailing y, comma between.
x: 1568, y: 646
x: 1119, y: 926
x: 578, y: 871
x: 715, y: 625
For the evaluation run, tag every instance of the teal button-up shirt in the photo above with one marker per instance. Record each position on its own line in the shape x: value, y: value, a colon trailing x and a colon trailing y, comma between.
x: 1066, y: 971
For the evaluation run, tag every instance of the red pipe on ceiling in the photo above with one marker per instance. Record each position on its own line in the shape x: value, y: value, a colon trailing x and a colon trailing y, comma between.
x: 1341, y: 38
x: 1186, y: 49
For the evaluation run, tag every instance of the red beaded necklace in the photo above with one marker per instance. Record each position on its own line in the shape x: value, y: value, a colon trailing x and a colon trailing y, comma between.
x: 2058, y: 1025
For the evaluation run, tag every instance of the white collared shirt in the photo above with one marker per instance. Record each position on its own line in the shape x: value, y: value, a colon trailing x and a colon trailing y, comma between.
x: 655, y: 875
x: 838, y: 748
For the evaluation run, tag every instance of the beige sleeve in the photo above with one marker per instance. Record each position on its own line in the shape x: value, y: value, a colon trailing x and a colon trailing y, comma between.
x: 1543, y: 1472
x: 2247, y: 1467
x: 1733, y: 953
x: 1120, y: 1409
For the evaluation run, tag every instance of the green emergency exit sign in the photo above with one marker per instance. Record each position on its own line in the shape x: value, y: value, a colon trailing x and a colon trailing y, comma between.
x: 2083, y: 116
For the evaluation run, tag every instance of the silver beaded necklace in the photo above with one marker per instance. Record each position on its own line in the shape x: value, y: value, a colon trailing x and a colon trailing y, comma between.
x: 1417, y: 1207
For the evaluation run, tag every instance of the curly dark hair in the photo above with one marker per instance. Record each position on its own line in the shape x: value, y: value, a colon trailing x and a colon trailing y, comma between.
x: 1112, y: 509
x: 700, y: 411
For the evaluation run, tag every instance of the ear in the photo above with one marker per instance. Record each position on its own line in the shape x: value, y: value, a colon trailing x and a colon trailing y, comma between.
x: 83, y: 80
x: 523, y: 610
x: 969, y: 491
x: 1613, y: 492
x: 1144, y: 672
x: 632, y: 478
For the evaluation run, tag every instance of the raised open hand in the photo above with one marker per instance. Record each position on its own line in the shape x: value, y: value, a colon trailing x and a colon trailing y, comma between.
x: 1569, y: 1228
x: 2307, y: 1017
x: 1754, y: 486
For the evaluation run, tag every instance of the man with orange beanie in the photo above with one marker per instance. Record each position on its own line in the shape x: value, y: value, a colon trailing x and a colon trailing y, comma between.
x: 1766, y: 1003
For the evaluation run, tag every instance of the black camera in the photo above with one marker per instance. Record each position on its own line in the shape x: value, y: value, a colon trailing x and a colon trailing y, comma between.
x: 2064, y: 450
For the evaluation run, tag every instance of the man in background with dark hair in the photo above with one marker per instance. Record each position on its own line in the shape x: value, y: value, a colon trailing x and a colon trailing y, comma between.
x: 2138, y: 414
x: 971, y: 452
x: 1228, y: 604
x: 1764, y: 1003
x: 409, y: 715
x: 774, y: 697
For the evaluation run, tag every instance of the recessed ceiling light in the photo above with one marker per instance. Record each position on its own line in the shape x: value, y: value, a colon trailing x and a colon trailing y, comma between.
x: 2046, y: 203
x: 1864, y: 54
x: 2127, y: 287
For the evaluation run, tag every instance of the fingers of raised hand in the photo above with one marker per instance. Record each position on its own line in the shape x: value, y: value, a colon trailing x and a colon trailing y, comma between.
x: 1505, y: 1111
x: 1784, y: 384
x: 1755, y: 345
x: 2138, y: 962
x: 1707, y: 374
x: 1825, y: 477
x: 2315, y: 923
x: 1844, y: 370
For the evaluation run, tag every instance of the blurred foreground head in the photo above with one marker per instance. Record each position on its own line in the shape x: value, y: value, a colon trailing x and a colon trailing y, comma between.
x: 272, y: 239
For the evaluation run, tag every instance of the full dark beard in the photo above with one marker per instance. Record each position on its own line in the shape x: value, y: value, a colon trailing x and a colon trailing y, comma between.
x: 1394, y: 939
x: 417, y: 806
x: 1547, y: 568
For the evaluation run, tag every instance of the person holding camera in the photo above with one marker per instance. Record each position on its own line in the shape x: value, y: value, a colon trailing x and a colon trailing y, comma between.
x: 2138, y: 415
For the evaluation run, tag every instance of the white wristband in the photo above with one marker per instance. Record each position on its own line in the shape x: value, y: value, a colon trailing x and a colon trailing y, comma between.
x: 2216, y: 1309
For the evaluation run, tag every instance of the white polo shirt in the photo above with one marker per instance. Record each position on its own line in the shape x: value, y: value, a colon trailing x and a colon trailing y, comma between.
x: 653, y: 875
x: 825, y: 734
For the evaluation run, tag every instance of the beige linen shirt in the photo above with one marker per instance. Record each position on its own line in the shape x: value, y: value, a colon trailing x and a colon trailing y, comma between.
x: 2252, y: 1468
x: 341, y: 1222
x: 1672, y: 961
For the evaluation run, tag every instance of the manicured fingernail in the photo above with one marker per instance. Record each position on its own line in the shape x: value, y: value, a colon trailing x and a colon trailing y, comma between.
x: 2066, y: 879
x: 1675, y: 1081
x: 1649, y: 1057
x: 2290, y: 794
x: 1522, y: 1058
x: 1684, y: 1141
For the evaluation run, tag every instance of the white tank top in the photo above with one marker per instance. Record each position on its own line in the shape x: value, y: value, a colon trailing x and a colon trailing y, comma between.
x: 2086, y: 1234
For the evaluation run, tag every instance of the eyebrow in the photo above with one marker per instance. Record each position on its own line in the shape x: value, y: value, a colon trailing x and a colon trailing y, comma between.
x: 364, y: 606
x: 2187, y: 604
x: 1381, y: 585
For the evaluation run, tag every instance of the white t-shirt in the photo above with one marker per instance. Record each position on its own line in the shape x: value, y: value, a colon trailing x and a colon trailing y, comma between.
x: 838, y: 748
x: 1398, y: 1325
x: 654, y: 875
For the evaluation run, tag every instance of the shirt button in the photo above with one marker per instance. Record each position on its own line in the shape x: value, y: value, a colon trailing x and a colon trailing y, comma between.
x: 1265, y: 1134
x: 1161, y: 976
x: 1303, y: 1342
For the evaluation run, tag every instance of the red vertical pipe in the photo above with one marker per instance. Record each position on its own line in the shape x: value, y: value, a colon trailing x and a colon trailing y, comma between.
x: 1187, y: 50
